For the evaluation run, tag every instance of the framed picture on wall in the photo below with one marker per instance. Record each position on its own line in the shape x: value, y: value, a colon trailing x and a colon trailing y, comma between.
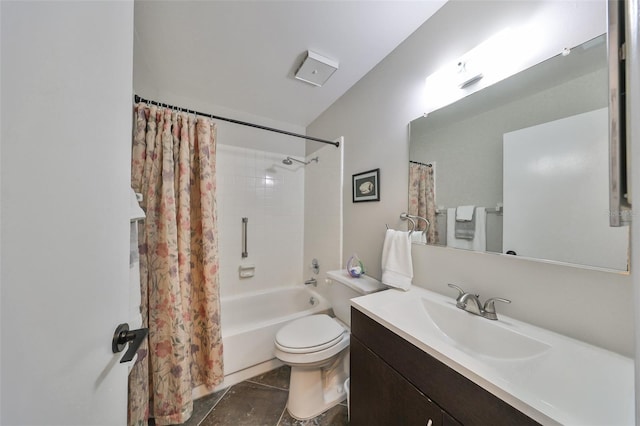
x: 366, y: 186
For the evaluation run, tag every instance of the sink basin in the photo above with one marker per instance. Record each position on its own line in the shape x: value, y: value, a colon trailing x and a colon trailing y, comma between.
x: 480, y: 335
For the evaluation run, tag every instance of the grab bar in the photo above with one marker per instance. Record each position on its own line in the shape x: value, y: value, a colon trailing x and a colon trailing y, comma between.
x: 245, y: 221
x: 410, y: 218
x: 498, y: 209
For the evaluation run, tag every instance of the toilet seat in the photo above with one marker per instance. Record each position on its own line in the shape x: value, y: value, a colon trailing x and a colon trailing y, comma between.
x: 309, y: 334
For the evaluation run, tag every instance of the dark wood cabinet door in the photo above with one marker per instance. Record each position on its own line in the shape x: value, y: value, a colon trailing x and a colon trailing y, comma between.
x: 381, y: 396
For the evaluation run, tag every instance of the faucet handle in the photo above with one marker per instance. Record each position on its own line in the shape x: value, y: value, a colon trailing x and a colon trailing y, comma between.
x: 490, y: 308
x: 460, y: 291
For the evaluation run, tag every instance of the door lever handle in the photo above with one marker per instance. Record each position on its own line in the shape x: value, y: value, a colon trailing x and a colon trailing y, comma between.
x: 122, y: 336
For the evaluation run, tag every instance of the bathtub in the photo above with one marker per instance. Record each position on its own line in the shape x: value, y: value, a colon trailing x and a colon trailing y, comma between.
x: 250, y: 322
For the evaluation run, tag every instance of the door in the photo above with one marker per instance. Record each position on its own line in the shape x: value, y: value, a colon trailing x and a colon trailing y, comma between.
x: 65, y: 160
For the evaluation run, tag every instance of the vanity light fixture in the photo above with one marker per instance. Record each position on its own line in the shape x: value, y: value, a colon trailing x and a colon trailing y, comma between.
x: 467, y: 77
x: 316, y: 69
x: 491, y: 61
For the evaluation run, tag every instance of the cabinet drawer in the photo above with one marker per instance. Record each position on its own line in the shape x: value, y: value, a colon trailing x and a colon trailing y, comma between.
x: 467, y: 402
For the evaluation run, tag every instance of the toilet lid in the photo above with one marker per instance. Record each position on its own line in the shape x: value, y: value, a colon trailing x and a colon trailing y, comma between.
x: 310, y: 333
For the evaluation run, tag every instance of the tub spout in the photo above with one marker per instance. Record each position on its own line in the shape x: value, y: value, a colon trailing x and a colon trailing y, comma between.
x: 312, y: 282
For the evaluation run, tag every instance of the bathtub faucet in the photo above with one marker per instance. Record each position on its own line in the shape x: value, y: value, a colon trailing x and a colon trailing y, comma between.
x: 312, y: 282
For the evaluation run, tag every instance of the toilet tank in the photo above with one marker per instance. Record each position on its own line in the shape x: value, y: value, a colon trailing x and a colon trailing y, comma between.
x: 343, y: 288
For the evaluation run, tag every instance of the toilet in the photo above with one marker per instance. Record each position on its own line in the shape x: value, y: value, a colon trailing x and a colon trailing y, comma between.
x: 317, y: 348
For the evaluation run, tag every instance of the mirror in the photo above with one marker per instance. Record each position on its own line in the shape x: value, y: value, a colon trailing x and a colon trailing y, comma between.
x: 530, y: 154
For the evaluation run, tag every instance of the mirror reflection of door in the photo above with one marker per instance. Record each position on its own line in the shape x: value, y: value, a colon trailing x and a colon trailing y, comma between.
x: 556, y: 193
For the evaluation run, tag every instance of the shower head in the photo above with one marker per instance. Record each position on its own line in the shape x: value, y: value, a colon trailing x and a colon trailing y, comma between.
x: 289, y: 161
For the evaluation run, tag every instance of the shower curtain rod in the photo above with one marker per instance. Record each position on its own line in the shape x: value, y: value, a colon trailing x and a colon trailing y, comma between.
x: 231, y: 120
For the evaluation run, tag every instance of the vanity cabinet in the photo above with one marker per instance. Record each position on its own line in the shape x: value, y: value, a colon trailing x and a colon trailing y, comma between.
x: 395, y: 383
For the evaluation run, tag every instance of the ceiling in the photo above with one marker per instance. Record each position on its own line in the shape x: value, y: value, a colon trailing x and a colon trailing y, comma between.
x: 242, y: 55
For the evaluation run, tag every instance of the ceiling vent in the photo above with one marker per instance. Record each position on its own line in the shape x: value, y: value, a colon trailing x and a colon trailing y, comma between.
x: 316, y: 69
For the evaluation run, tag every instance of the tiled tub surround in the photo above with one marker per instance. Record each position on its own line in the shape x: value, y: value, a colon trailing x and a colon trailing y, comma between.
x: 255, y: 184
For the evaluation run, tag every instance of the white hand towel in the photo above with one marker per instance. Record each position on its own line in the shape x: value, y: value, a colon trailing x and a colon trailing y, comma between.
x: 479, y: 241
x: 419, y: 237
x: 465, y: 213
x: 397, y: 267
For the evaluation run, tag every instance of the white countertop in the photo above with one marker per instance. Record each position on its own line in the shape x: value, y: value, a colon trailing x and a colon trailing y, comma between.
x: 571, y: 383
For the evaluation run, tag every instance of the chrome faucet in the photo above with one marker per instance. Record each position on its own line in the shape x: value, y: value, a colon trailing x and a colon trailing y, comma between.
x: 312, y: 281
x: 471, y: 303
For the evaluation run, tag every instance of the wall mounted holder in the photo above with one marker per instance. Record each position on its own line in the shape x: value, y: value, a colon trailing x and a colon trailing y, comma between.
x: 247, y: 271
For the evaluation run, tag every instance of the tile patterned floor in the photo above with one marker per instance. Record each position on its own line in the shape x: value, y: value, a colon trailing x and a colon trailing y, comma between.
x: 259, y: 401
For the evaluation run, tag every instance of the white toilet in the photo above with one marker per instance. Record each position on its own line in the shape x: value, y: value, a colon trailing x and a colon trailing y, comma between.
x: 317, y: 348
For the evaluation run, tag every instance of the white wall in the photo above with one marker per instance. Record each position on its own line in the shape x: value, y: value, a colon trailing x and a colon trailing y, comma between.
x: 66, y: 147
x: 373, y: 117
x: 323, y: 211
x: 255, y: 184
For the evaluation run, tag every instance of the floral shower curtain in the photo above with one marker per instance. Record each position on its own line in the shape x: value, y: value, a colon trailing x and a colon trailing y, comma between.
x: 173, y: 166
x: 422, y: 198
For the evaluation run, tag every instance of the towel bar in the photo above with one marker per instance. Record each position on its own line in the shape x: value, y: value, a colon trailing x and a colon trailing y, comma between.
x: 413, y: 225
x: 410, y: 217
x: 498, y: 209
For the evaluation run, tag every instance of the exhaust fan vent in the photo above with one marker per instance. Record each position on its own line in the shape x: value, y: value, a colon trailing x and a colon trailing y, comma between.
x: 316, y: 69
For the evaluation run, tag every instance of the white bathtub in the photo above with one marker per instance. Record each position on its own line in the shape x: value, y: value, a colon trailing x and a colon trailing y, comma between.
x: 250, y: 322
